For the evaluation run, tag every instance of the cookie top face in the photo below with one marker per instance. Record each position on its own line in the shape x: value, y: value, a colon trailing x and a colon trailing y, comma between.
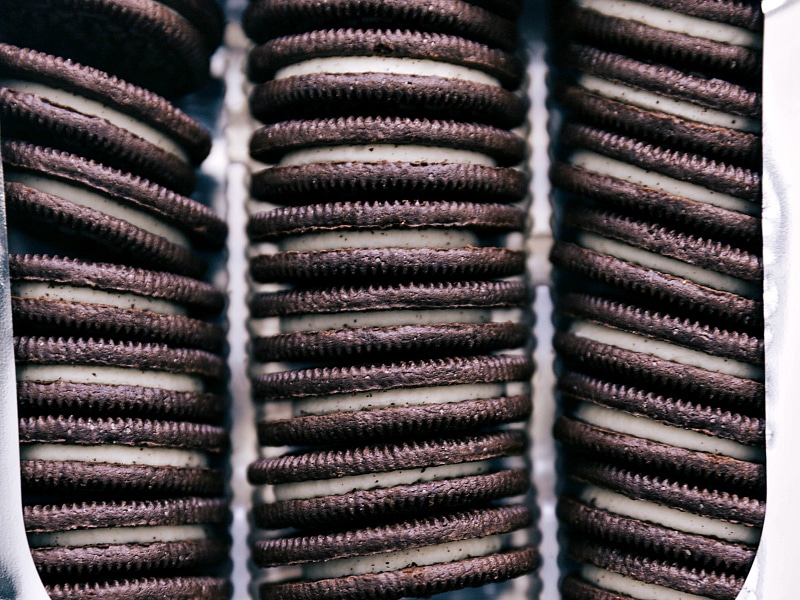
x: 161, y: 50
x: 155, y: 209
x: 266, y: 19
x: 722, y: 42
x: 269, y: 58
x: 92, y: 92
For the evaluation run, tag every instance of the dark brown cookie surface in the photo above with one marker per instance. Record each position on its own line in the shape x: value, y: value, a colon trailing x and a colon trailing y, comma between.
x: 162, y: 50
x: 324, y: 95
x: 274, y: 142
x: 265, y: 19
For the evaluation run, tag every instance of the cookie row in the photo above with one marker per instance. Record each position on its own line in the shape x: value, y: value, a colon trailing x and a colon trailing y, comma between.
x: 659, y: 297
x: 389, y: 340
x: 118, y: 339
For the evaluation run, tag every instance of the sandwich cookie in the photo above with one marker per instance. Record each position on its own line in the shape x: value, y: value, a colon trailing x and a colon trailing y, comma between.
x: 334, y: 73
x: 164, y: 46
x: 617, y: 574
x: 412, y: 558
x: 67, y: 297
x: 403, y: 400
x: 690, y: 273
x: 692, y: 176
x: 716, y: 38
x: 734, y: 353
x: 55, y: 102
x: 267, y: 59
x: 64, y: 456
x: 394, y: 157
x: 401, y: 240
x: 141, y: 223
x: 107, y: 543
x: 98, y: 362
x: 374, y: 483
x: 486, y: 22
x: 663, y: 105
x: 351, y: 324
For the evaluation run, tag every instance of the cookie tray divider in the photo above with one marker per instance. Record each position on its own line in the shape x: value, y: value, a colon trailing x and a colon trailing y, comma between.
x: 778, y: 553
x: 18, y: 576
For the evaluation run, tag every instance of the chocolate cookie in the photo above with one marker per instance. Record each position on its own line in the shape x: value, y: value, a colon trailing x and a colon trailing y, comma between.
x: 267, y: 59
x: 101, y: 541
x: 403, y: 559
x: 323, y: 487
x: 266, y: 19
x: 64, y: 456
x: 162, y: 46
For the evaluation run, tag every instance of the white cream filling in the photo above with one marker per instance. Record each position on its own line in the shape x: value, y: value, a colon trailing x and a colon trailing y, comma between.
x: 120, y: 535
x: 389, y: 238
x: 96, y: 201
x: 666, y: 350
x: 303, y: 490
x: 87, y: 106
x: 374, y: 153
x: 391, y: 66
x: 670, y: 518
x: 400, y: 559
x: 85, y: 295
x: 648, y: 429
x: 678, y: 108
x: 116, y: 454
x: 631, y: 587
x: 669, y: 20
x: 672, y: 266
x: 603, y: 165
x: 382, y: 318
x: 110, y: 376
x: 403, y: 397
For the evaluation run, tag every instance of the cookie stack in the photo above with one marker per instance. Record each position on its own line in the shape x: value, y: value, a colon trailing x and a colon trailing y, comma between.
x: 119, y: 348
x: 389, y: 341
x: 659, y: 296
